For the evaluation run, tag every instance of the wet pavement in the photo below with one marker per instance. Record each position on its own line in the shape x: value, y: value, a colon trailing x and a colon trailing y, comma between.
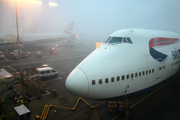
x: 162, y: 104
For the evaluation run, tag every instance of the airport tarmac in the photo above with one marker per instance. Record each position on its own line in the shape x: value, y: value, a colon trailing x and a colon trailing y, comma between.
x: 164, y: 103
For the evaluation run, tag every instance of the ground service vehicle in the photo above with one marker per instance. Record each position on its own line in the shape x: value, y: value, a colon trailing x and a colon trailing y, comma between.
x: 45, y: 73
x: 53, y: 51
x: 15, y: 54
x: 38, y: 54
x: 1, y: 54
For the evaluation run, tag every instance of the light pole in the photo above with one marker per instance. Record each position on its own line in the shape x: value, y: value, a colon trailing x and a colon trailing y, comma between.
x: 19, y: 54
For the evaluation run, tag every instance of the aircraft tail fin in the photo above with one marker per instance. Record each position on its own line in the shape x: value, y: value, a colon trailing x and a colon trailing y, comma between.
x: 69, y: 28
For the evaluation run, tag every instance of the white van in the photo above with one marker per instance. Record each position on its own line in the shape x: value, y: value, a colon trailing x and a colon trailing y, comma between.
x: 1, y: 54
x: 46, y: 73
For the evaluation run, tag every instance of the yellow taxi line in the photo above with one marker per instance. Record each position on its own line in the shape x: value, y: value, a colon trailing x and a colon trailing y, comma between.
x: 141, y: 100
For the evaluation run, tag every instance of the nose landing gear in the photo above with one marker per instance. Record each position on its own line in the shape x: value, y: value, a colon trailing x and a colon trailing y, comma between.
x: 121, y: 107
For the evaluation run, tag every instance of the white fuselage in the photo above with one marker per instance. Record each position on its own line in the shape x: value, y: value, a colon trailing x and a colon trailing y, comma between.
x: 41, y: 36
x: 116, y: 69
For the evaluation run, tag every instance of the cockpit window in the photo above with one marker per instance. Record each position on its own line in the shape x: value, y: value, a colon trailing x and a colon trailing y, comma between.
x: 124, y: 40
x: 129, y: 40
x: 116, y: 40
x: 108, y: 40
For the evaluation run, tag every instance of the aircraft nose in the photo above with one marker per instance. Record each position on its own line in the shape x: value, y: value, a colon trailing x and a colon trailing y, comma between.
x: 77, y: 83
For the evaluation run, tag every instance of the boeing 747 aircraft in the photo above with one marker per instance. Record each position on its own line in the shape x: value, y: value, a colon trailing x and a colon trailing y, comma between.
x: 128, y: 63
x: 29, y: 39
x: 32, y: 39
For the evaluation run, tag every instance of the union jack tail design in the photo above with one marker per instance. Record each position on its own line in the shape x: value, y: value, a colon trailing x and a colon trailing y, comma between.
x: 69, y: 28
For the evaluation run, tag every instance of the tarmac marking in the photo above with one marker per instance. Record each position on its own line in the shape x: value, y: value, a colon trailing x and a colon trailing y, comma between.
x: 47, y: 93
x: 47, y: 107
x: 5, y: 59
x: 95, y: 115
x: 66, y: 58
x: 71, y: 53
x: 12, y: 68
x: 24, y: 63
x: 114, y: 118
x: 59, y: 78
x: 147, y: 96
x: 49, y: 60
x: 47, y: 56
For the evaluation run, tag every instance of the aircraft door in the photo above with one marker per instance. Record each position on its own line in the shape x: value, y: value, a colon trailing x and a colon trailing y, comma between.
x: 158, y: 68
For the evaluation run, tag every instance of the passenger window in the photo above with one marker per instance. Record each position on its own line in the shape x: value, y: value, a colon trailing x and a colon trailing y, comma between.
x: 132, y: 75
x: 53, y: 71
x: 100, y: 81
x: 123, y: 77
x: 47, y: 71
x: 124, y: 40
x: 93, y: 82
x: 135, y: 74
x: 127, y: 77
x: 42, y: 72
x: 118, y: 78
x: 112, y: 79
x: 106, y: 80
x: 143, y: 72
x: 152, y: 70
x: 139, y: 73
x: 129, y: 40
x: 146, y: 72
x: 149, y: 71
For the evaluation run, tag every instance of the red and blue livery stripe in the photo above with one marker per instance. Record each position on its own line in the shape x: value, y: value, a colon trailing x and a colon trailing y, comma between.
x: 160, y: 41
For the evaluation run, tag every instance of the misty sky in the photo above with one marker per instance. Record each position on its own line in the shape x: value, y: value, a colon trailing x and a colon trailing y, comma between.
x: 99, y: 18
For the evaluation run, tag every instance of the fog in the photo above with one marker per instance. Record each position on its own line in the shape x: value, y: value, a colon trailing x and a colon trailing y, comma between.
x: 98, y: 19
x: 95, y: 20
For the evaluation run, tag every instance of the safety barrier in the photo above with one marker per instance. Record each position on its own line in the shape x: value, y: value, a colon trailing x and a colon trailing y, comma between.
x: 4, y: 116
x: 47, y: 107
x: 8, y: 111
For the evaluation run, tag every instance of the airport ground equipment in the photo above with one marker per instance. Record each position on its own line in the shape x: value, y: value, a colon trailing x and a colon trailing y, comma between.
x: 8, y: 112
x: 35, y: 88
x: 53, y: 51
x: 47, y: 107
x: 32, y: 82
x: 38, y: 54
x: 1, y: 54
x: 22, y: 113
x: 120, y: 106
x: 45, y: 73
x: 28, y: 54
x: 15, y: 54
x: 112, y: 106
